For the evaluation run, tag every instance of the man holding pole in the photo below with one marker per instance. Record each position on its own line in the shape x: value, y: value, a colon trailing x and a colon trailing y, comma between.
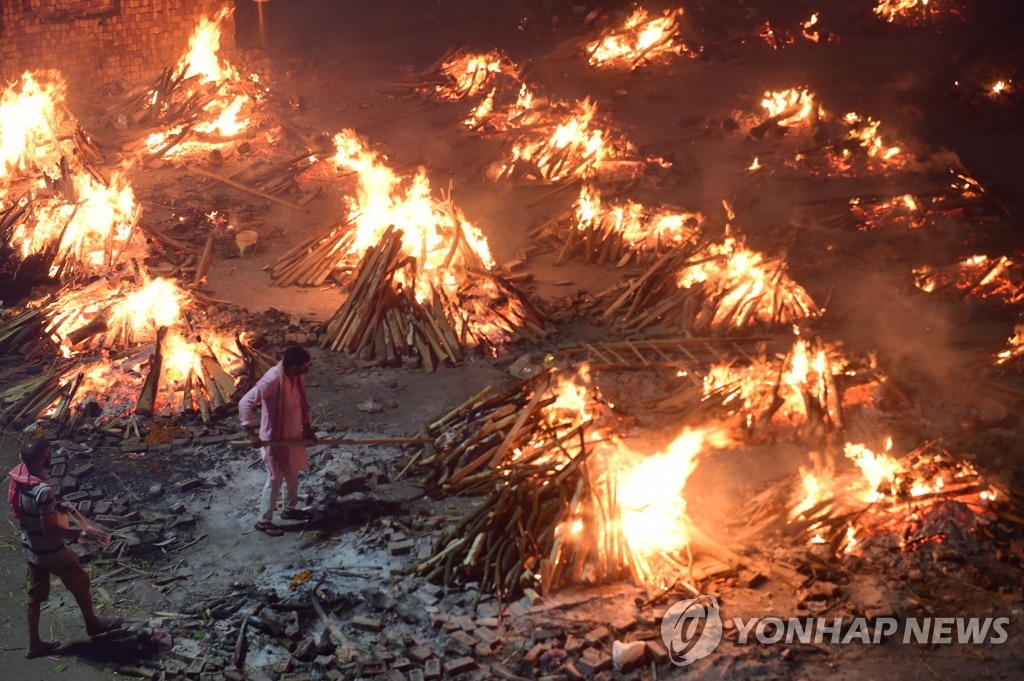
x: 43, y: 538
x: 281, y: 395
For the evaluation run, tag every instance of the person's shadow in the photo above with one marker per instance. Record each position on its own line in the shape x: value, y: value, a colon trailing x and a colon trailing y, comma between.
x: 120, y: 647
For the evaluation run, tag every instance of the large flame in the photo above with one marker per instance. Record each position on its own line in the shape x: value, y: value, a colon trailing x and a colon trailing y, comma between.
x: 28, y: 116
x: 202, y: 59
x: 432, y: 227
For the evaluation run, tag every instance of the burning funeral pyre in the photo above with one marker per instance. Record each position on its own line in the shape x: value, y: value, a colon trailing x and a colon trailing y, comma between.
x: 620, y: 233
x: 923, y: 504
x: 918, y: 12
x: 548, y: 140
x: 199, y: 102
x: 117, y: 341
x: 422, y: 280
x: 640, y: 39
x: 721, y: 287
x: 566, y: 499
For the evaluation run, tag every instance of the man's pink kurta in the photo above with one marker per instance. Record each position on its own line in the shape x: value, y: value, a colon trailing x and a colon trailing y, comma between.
x: 285, y: 409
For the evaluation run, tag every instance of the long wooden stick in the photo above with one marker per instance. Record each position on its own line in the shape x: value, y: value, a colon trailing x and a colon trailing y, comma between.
x: 242, y: 444
x: 246, y: 188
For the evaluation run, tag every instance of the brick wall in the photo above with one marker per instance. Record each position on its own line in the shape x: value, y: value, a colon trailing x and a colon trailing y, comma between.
x: 98, y: 41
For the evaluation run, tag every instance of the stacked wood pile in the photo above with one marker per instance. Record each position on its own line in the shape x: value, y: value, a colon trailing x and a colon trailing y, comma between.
x: 385, y: 321
x: 479, y: 436
x: 24, y: 332
x: 549, y: 516
x: 712, y: 304
x: 314, y: 260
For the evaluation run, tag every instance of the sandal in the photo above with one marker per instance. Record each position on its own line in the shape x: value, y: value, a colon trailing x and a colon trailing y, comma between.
x: 48, y: 649
x: 269, y: 528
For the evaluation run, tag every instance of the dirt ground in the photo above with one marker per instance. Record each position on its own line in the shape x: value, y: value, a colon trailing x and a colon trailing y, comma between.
x: 342, y: 65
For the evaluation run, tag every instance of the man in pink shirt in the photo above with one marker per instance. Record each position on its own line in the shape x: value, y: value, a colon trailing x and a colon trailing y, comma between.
x: 285, y: 416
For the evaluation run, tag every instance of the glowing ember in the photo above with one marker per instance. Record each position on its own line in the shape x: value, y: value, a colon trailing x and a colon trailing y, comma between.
x: 640, y: 39
x: 977, y: 276
x: 865, y: 133
x: 1015, y: 351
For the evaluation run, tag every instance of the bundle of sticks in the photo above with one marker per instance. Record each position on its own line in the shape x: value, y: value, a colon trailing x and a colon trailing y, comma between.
x: 480, y: 435
x: 24, y: 332
x: 386, y: 321
x: 312, y: 261
x: 722, y: 299
x: 25, y: 400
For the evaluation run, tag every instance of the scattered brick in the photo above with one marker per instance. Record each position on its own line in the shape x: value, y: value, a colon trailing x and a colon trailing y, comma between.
x: 188, y: 485
x: 657, y: 651
x: 367, y: 624
x: 460, y: 665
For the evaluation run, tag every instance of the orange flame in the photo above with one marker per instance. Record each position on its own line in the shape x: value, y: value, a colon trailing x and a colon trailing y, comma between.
x: 638, y: 225
x: 472, y: 73
x: 639, y: 38
x: 431, y: 227
x: 791, y: 106
x: 28, y: 116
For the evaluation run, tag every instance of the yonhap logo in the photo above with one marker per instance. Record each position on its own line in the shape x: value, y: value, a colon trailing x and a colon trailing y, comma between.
x: 692, y: 629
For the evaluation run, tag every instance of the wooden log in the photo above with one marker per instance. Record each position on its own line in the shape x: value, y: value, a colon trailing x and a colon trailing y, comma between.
x: 147, y: 398
x: 238, y: 185
x: 204, y: 263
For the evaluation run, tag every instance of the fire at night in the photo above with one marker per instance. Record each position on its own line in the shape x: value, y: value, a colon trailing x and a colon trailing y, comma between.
x: 611, y: 311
